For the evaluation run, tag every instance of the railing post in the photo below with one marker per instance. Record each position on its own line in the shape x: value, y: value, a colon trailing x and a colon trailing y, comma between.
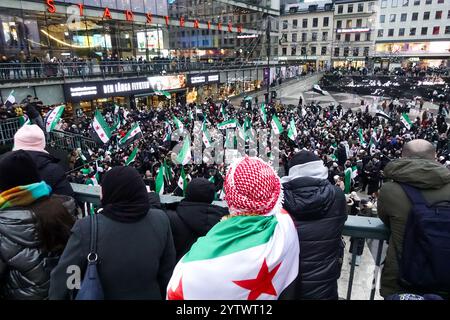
x: 377, y: 269
x: 352, y: 268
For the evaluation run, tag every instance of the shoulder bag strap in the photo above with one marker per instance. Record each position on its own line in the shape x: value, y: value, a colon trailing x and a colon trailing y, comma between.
x: 414, y: 195
x: 93, y: 256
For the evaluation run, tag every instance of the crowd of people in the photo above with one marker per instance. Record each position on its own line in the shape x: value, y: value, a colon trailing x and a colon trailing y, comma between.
x: 290, y: 226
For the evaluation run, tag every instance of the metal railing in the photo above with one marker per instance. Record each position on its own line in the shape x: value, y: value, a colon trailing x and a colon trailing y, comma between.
x: 8, y: 129
x: 69, y: 141
x: 355, y: 226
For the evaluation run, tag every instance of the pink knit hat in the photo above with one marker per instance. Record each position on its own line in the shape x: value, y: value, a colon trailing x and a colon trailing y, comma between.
x: 29, y: 137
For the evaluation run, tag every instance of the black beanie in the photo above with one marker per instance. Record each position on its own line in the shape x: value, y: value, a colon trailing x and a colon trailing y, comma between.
x: 200, y: 190
x: 302, y: 157
x: 17, y: 169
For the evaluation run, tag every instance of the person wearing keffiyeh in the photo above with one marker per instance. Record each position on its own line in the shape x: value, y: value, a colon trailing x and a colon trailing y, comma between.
x: 34, y: 228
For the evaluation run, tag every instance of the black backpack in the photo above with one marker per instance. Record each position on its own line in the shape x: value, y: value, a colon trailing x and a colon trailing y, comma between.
x: 425, y: 262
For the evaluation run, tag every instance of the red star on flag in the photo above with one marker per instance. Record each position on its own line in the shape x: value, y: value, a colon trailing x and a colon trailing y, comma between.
x: 102, y: 135
x: 97, y: 127
x: 177, y: 294
x: 262, y: 283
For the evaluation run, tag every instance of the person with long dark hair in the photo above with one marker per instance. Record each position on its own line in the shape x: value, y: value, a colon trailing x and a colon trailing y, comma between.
x: 34, y: 228
x: 135, y: 249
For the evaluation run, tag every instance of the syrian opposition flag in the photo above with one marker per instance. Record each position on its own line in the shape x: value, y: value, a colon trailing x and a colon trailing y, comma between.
x: 381, y: 113
x: 159, y: 181
x: 263, y: 112
x: 406, y: 121
x: 52, y: 118
x: 318, y: 89
x: 205, y: 135
x: 232, y: 123
x: 178, y: 123
x: 168, y: 128
x: 132, y: 135
x: 361, y: 138
x: 10, y: 100
x: 163, y: 93
x: 228, y: 264
x: 184, y: 156
x: 168, y: 173
x: 132, y: 156
x: 24, y: 120
x: 372, y: 146
x: 182, y: 181
x: 348, y: 180
x: 101, y: 127
x: 277, y: 127
x: 116, y: 109
x: 223, y: 111
x: 292, y: 132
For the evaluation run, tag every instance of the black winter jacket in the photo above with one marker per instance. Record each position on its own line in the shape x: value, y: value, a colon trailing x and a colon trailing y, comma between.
x: 318, y: 211
x: 24, y: 267
x: 192, y: 220
x: 51, y: 172
x: 135, y: 260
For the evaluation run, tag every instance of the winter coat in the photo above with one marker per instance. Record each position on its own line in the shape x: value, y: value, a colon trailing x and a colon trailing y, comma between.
x: 319, y: 213
x: 192, y: 220
x: 135, y: 260
x: 24, y: 267
x: 51, y: 172
x: 393, y: 206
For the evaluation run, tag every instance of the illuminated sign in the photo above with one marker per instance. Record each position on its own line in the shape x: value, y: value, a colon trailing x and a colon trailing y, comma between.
x: 247, y: 36
x: 203, y: 79
x: 354, y: 30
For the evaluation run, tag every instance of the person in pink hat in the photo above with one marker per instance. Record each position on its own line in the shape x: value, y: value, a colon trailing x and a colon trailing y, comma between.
x: 31, y: 139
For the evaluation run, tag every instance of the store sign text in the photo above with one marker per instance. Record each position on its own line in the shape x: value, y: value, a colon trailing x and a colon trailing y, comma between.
x: 129, y: 16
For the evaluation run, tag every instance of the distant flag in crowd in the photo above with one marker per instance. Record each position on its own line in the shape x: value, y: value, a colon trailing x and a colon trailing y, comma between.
x: 168, y: 173
x: 381, y: 113
x: 159, y: 181
x: 184, y: 155
x: 101, y: 127
x: 223, y: 111
x: 10, y: 100
x: 116, y: 109
x: 292, y: 132
x: 354, y: 172
x: 404, y: 118
x: 277, y: 127
x: 182, y: 181
x: 178, y: 123
x: 372, y: 146
x: 232, y: 123
x: 205, y: 135
x: 168, y: 128
x: 52, y: 118
x: 318, y: 89
x: 24, y: 120
x: 116, y: 125
x: 263, y: 112
x: 132, y: 135
x: 163, y: 93
x: 125, y: 116
x: 191, y: 116
x: 132, y: 157
x: 348, y: 180
x: 361, y: 138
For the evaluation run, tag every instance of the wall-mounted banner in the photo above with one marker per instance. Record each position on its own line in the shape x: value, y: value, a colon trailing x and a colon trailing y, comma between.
x: 83, y: 91
x: 202, y: 78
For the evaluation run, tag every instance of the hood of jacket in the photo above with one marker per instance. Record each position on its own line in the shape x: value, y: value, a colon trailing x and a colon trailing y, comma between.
x: 42, y: 159
x: 419, y: 173
x: 200, y: 217
x: 19, y: 226
x: 154, y: 200
x: 307, y: 198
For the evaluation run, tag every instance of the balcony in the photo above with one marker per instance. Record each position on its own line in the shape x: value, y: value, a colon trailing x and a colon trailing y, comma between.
x: 363, y: 228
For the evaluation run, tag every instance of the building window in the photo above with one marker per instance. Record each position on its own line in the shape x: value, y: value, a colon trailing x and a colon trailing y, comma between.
x: 401, y: 32
x: 415, y: 16
x: 326, y: 21
x: 314, y: 36
x: 412, y: 31
x: 405, y: 3
x: 424, y: 31
x: 436, y: 30
x: 392, y: 18
x: 284, y: 37
x: 380, y: 32
x: 448, y: 14
x: 294, y: 37
x: 403, y: 17
x: 336, y: 52
x: 360, y: 7
x: 428, y: 1
x: 293, y: 51
x: 371, y: 4
x: 305, y: 23
x: 417, y: 2
x: 348, y: 25
x: 303, y: 50
x: 382, y: 18
x: 440, y: 1
x: 284, y: 51
x: 438, y: 15
x: 339, y: 24
x: 285, y: 24
x: 313, y: 51
x: 324, y: 36
x: 357, y: 36
x: 315, y: 22
x: 323, y: 51
x: 383, y: 3
x: 294, y: 24
x: 338, y: 37
x: 447, y: 30
x: 358, y: 23
x: 426, y: 15
x: 340, y: 9
x: 368, y: 36
x: 390, y: 32
x: 350, y: 8
x: 366, y: 51
x: 304, y: 37
x: 346, y: 50
x: 356, y: 52
x: 347, y: 37
x: 394, y: 3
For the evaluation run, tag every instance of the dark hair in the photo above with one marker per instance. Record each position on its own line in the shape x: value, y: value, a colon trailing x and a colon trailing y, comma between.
x: 53, y: 223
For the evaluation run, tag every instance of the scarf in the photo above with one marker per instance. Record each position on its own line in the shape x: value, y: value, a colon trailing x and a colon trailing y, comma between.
x: 240, y: 258
x: 313, y: 169
x: 24, y: 195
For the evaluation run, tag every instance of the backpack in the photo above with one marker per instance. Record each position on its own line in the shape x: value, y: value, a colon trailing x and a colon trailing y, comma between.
x: 425, y: 262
